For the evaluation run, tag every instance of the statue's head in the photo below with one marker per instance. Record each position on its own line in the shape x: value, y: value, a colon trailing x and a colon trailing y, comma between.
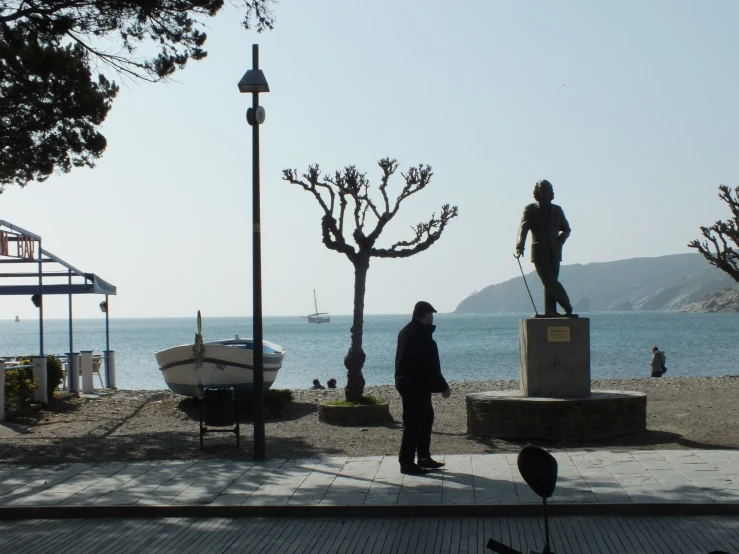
x: 543, y: 191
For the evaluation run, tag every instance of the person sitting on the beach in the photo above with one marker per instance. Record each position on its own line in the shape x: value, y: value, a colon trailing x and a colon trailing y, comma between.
x: 658, y: 362
x: 331, y: 383
x: 317, y: 385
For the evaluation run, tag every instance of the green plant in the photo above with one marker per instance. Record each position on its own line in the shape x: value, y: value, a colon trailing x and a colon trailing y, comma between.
x: 19, y: 388
x: 275, y: 401
x: 365, y: 400
x: 54, y: 374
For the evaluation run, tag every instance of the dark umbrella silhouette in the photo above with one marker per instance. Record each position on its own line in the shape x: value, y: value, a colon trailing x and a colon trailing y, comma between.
x: 539, y: 469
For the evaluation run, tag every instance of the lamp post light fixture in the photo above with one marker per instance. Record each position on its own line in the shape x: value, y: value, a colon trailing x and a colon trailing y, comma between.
x: 254, y: 82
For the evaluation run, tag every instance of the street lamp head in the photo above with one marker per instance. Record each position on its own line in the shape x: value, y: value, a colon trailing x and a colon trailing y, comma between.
x: 253, y: 81
x: 104, y: 306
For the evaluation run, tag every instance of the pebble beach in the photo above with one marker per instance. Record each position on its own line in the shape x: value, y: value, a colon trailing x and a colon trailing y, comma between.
x: 690, y: 412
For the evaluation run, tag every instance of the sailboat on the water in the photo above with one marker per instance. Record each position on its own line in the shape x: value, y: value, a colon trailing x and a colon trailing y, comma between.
x: 17, y: 319
x: 318, y: 317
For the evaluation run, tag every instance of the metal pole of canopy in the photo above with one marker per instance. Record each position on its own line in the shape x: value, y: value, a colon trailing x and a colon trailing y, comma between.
x: 71, y: 345
x: 41, y: 300
x: 107, y: 324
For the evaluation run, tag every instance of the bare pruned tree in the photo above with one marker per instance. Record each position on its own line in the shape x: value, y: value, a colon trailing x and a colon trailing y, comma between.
x: 717, y: 247
x: 348, y: 209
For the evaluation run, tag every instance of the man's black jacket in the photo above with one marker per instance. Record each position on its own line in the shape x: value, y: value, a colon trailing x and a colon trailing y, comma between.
x: 417, y: 366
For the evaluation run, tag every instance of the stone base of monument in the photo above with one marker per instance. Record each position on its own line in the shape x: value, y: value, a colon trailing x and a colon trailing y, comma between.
x: 555, y: 357
x: 511, y: 415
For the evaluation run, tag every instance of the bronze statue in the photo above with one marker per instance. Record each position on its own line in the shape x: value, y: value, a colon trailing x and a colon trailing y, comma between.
x: 549, y: 231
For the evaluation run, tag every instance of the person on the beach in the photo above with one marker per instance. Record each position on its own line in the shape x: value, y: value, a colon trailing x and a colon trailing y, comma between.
x: 658, y: 362
x: 331, y: 383
x: 317, y: 385
x: 417, y: 375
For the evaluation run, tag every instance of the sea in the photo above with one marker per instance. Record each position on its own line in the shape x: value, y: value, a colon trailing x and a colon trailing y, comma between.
x: 473, y: 347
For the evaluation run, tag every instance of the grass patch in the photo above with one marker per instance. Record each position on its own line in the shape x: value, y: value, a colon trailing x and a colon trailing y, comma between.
x: 367, y: 400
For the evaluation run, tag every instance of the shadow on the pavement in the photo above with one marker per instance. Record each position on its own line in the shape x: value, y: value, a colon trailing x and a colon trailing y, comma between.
x: 643, y: 439
x: 155, y: 445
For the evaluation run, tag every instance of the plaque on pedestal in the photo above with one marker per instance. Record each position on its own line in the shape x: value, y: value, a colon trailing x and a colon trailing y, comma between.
x: 555, y: 357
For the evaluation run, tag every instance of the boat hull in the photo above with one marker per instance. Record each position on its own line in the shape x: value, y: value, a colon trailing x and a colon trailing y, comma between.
x: 319, y: 319
x: 224, y: 364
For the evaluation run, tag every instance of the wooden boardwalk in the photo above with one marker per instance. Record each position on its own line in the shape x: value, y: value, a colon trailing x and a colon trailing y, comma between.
x: 570, y: 535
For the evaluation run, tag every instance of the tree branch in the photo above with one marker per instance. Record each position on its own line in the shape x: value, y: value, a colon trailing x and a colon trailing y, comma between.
x: 717, y: 248
x: 333, y: 234
x: 426, y: 234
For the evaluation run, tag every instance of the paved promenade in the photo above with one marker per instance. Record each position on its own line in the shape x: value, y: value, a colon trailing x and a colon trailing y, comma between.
x: 601, y: 477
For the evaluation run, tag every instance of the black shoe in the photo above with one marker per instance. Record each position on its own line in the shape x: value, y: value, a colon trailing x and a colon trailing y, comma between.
x: 412, y: 469
x: 429, y: 463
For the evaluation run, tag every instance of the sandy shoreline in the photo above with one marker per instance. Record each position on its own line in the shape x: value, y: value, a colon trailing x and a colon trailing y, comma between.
x: 692, y: 412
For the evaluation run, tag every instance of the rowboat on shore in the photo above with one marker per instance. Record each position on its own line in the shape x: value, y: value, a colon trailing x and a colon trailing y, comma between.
x: 222, y: 363
x: 189, y: 368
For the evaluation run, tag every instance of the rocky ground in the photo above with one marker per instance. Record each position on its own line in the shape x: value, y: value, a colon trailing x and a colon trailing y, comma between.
x: 725, y: 300
x: 696, y: 412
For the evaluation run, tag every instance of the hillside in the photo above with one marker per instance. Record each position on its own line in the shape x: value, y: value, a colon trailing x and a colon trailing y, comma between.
x: 725, y: 300
x: 662, y: 283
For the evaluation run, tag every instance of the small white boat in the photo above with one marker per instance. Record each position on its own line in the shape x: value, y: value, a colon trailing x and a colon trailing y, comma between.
x: 223, y: 363
x: 318, y: 317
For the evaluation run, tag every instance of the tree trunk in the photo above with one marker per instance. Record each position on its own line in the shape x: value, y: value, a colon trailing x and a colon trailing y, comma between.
x: 354, y: 360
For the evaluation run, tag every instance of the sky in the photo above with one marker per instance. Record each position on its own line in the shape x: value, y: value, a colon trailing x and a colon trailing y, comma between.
x: 628, y: 108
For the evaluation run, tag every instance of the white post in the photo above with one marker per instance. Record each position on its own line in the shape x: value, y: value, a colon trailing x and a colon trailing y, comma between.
x: 39, y: 372
x: 110, y: 369
x: 73, y: 372
x: 88, y: 385
x: 2, y: 390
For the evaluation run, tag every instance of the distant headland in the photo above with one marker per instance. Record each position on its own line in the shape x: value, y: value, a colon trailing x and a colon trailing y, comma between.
x: 678, y: 282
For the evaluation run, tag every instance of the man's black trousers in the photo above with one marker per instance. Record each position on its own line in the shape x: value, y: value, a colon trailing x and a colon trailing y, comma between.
x: 418, y: 418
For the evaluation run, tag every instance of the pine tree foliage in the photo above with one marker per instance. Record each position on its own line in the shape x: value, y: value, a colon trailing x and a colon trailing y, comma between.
x: 53, y: 94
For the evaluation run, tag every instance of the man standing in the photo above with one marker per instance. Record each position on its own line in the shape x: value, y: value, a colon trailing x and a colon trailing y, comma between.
x: 657, y: 363
x: 549, y: 231
x: 417, y: 375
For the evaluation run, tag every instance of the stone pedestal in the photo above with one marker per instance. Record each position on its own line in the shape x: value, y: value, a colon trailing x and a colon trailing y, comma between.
x: 509, y: 415
x: 555, y: 357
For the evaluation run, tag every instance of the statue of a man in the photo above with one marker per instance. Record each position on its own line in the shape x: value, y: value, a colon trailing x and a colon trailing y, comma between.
x: 549, y: 231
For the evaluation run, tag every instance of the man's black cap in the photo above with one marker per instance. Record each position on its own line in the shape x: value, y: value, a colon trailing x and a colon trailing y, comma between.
x: 423, y: 307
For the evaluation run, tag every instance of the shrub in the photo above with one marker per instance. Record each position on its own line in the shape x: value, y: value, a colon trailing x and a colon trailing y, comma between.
x: 19, y: 388
x: 54, y: 374
x: 275, y: 401
x: 367, y: 400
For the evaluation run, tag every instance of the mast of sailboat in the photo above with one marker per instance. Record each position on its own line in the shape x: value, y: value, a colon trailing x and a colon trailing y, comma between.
x: 315, y: 302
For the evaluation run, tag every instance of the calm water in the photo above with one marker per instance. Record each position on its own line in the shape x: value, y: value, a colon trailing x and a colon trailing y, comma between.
x: 473, y: 347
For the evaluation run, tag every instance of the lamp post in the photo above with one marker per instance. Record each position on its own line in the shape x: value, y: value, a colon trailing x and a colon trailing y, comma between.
x: 254, y: 82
